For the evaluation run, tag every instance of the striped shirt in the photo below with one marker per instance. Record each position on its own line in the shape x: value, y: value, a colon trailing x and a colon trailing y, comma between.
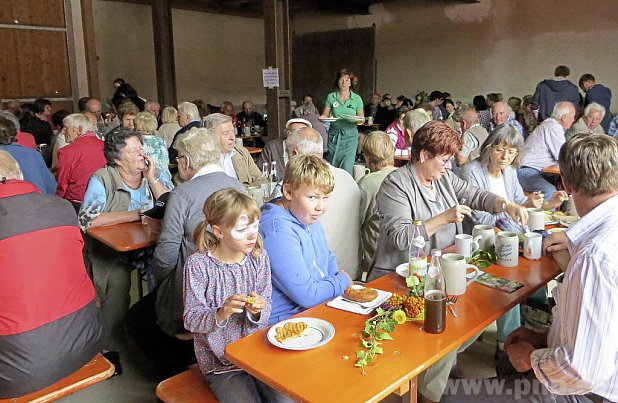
x: 208, y: 282
x: 582, y: 352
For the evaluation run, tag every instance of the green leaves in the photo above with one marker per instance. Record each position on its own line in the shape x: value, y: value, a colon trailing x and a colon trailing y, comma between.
x: 482, y: 258
x: 377, y: 329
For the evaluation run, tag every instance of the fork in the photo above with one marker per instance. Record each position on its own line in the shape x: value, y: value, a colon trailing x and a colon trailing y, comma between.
x: 450, y: 301
x: 356, y: 302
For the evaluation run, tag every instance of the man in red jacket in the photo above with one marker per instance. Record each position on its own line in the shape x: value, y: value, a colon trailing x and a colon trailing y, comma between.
x: 79, y: 159
x: 49, y: 322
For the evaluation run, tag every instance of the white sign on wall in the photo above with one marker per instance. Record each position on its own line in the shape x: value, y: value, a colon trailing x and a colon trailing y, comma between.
x: 270, y: 77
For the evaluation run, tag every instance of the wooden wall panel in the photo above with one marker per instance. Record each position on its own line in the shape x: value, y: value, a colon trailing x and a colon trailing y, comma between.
x: 9, y: 70
x: 318, y: 57
x: 59, y: 105
x: 48, y: 13
x: 39, y: 66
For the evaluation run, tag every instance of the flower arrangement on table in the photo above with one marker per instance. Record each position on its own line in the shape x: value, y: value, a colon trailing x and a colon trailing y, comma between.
x: 396, y: 311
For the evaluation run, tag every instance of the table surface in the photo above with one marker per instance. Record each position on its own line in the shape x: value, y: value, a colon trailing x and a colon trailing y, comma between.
x: 254, y: 150
x: 554, y: 169
x: 127, y: 236
x: 299, y: 374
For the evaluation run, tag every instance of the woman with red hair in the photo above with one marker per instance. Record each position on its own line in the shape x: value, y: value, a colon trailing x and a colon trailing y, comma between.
x: 425, y: 189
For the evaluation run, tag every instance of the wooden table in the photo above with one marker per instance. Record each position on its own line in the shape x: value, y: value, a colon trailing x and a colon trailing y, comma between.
x: 554, y: 169
x: 127, y: 236
x: 325, y: 374
x: 254, y: 150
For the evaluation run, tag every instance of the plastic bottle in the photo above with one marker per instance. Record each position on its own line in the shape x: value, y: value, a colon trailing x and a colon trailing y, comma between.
x: 435, y: 296
x: 416, y: 252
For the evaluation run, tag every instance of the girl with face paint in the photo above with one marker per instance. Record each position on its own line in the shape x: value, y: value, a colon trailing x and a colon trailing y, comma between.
x: 227, y: 292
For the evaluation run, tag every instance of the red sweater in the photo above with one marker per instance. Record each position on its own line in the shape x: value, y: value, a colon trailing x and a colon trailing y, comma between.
x: 26, y: 140
x: 76, y: 164
x: 43, y: 277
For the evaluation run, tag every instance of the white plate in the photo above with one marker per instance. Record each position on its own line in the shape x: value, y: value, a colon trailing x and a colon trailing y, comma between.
x: 551, y: 231
x: 404, y: 270
x: 355, y: 118
x: 329, y: 119
x: 318, y: 333
x: 362, y: 308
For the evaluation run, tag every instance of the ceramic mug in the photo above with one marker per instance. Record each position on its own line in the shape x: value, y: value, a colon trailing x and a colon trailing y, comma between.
x: 246, y: 131
x: 507, y: 249
x: 370, y: 120
x: 256, y: 129
x: 536, y: 219
x: 359, y: 171
x: 533, y: 243
x: 466, y: 245
x: 487, y: 234
x: 455, y: 271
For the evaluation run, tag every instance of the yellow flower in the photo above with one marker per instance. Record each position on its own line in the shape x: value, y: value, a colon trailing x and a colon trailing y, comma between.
x: 399, y: 316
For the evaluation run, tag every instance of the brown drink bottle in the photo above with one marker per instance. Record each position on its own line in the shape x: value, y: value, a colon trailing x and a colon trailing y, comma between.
x: 435, y: 296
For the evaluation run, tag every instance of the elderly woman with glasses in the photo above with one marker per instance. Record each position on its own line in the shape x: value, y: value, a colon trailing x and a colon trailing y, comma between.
x: 117, y: 193
x: 495, y: 171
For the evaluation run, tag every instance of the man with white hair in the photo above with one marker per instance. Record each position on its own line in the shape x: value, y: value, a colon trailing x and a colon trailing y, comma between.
x: 474, y: 135
x: 153, y: 107
x: 235, y: 160
x: 341, y: 222
x: 276, y: 151
x: 188, y: 118
x: 79, y: 159
x: 590, y: 122
x: 501, y: 115
x: 541, y: 150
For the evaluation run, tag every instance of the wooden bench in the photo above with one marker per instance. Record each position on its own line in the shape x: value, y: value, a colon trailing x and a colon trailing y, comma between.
x: 187, y: 387
x: 96, y: 370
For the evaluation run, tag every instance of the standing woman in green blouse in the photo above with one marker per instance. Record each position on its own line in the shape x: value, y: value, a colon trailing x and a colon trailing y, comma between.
x: 343, y: 133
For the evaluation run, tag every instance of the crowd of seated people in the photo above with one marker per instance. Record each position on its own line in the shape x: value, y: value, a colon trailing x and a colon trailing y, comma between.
x: 225, y: 268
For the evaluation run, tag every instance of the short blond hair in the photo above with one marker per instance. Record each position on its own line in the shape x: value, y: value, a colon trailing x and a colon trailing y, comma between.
x: 378, y: 149
x: 146, y: 123
x: 311, y: 170
x: 169, y: 115
x: 588, y: 164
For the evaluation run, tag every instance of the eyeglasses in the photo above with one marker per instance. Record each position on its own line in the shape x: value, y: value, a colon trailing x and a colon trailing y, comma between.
x: 509, y: 151
x: 446, y: 162
x: 180, y: 157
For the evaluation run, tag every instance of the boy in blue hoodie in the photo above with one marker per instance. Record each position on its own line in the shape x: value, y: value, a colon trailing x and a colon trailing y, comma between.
x: 304, y: 270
